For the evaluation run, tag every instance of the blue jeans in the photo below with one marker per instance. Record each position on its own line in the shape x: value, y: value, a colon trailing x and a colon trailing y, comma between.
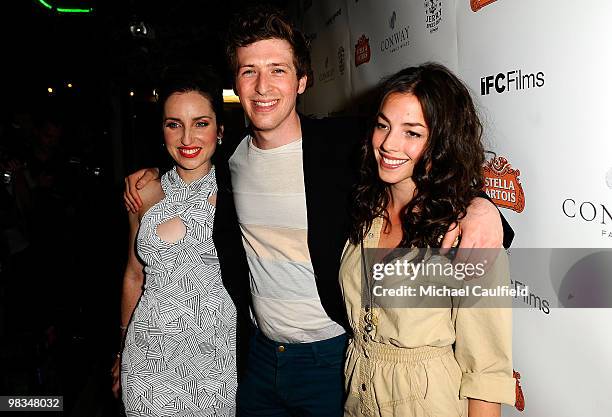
x: 293, y: 379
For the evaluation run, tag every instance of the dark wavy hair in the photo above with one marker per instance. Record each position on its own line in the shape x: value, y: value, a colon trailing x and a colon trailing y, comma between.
x: 448, y: 174
x: 262, y: 22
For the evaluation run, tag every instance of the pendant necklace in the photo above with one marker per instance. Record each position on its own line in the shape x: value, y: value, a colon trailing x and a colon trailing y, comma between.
x: 368, y: 317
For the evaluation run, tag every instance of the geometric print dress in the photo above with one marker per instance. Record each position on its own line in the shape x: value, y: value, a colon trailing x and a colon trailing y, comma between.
x: 179, y: 357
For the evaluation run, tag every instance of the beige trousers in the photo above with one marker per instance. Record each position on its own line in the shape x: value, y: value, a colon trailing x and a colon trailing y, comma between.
x: 387, y: 381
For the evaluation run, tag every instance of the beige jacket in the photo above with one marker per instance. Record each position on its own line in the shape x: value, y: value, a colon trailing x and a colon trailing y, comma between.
x: 424, y: 361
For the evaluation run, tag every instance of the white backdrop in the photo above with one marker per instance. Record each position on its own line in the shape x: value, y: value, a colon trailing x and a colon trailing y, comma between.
x: 549, y: 123
x: 327, y: 23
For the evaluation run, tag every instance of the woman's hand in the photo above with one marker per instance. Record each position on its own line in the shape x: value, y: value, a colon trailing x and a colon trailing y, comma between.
x: 116, y: 373
x: 135, y: 182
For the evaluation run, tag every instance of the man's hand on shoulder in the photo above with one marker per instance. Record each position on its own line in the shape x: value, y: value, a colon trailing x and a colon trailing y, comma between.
x: 481, y: 228
x: 135, y: 182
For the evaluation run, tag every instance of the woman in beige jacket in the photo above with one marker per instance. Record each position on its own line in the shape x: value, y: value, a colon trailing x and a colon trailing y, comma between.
x: 420, y: 170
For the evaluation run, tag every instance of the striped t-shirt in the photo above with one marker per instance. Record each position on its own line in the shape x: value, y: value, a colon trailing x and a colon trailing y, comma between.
x: 270, y: 198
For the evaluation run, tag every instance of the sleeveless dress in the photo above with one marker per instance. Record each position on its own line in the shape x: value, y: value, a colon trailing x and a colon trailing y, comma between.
x: 179, y: 357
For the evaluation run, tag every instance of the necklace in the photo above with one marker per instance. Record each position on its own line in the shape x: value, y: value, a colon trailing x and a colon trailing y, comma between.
x: 368, y: 317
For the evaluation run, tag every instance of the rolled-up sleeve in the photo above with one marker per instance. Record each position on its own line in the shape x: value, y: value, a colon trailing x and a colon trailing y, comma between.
x: 483, y: 346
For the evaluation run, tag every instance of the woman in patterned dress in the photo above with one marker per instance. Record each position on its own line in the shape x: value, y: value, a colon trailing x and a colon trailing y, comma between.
x: 179, y: 348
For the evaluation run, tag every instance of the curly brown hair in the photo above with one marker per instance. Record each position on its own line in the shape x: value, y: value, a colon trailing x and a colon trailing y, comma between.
x: 263, y: 22
x: 448, y: 175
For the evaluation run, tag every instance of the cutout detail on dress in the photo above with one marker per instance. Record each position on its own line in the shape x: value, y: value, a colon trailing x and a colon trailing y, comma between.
x: 172, y: 230
x: 212, y: 199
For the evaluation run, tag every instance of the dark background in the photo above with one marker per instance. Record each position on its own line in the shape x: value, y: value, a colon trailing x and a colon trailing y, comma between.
x: 63, y: 248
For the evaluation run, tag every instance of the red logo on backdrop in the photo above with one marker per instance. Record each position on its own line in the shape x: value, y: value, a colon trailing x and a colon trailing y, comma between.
x: 362, y: 51
x: 479, y: 4
x: 502, y: 184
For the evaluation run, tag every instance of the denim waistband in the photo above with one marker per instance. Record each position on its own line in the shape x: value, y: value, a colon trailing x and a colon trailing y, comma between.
x: 302, y: 347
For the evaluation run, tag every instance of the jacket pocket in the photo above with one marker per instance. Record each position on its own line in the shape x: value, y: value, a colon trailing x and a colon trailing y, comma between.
x: 397, y: 384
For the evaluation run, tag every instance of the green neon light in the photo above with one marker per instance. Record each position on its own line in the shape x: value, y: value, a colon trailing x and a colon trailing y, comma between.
x: 44, y: 3
x: 63, y: 9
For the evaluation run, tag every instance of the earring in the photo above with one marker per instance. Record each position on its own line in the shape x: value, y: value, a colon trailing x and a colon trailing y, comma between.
x: 219, y: 139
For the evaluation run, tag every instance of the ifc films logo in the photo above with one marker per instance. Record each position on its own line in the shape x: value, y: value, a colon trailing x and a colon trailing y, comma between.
x: 515, y: 80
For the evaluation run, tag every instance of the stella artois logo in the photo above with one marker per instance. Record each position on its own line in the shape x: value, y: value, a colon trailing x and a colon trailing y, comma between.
x: 362, y: 51
x: 502, y: 184
x: 479, y: 4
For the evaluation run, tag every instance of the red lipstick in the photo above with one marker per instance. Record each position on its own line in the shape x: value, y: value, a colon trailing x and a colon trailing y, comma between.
x: 189, y: 151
